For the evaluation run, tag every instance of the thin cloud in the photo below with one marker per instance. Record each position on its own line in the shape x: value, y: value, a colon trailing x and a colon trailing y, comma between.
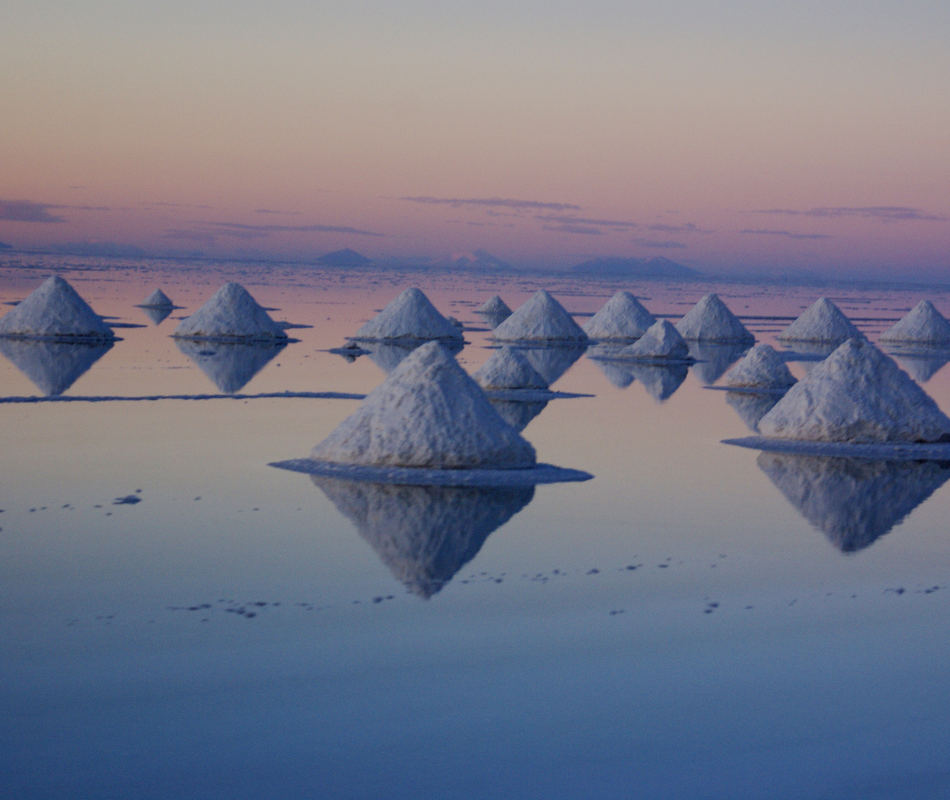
x: 887, y: 213
x: 273, y: 211
x: 81, y: 208
x: 167, y: 204
x: 492, y: 202
x: 570, y: 219
x: 26, y: 211
x: 244, y: 230
x: 582, y: 230
x: 687, y: 227
x: 786, y: 234
x: 181, y: 234
x: 659, y: 244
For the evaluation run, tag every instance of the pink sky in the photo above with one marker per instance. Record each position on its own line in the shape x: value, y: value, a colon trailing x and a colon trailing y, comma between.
x: 798, y: 136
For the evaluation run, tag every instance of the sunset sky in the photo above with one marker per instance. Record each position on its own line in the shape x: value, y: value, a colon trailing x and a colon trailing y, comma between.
x: 731, y: 136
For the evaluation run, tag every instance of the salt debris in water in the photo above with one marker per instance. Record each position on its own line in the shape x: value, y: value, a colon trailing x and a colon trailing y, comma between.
x: 621, y: 317
x: 230, y: 314
x: 540, y: 319
x: 54, y: 310
x: 823, y: 322
x: 410, y: 315
x: 660, y: 341
x: 508, y: 369
x: 760, y: 368
x: 923, y: 325
x: 711, y: 320
x: 427, y: 413
x: 157, y: 299
x: 857, y: 394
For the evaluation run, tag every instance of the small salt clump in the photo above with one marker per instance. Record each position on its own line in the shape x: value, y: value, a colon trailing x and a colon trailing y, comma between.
x: 711, y: 320
x: 427, y: 413
x: 540, y: 318
x: 410, y: 315
x: 508, y: 369
x: 923, y: 325
x: 760, y: 368
x: 54, y: 310
x: 157, y: 299
x: 822, y: 322
x: 621, y: 317
x: 660, y: 342
x: 857, y: 394
x: 231, y: 314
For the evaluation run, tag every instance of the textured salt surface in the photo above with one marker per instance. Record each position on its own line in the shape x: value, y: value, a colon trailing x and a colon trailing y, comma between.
x: 660, y: 342
x: 230, y: 314
x: 157, y: 299
x: 540, y: 318
x: 761, y: 368
x: 54, y: 310
x: 622, y: 317
x: 857, y: 394
x: 711, y: 320
x: 229, y: 365
x: 410, y: 315
x: 424, y: 534
x: 53, y: 366
x: 427, y: 413
x: 822, y: 321
x: 923, y: 325
x: 853, y: 501
x: 508, y: 369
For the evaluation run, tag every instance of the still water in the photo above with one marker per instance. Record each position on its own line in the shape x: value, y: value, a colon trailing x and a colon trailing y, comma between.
x: 697, y: 621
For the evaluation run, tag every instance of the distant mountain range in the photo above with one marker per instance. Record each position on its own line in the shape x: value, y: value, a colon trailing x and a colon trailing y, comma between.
x: 658, y: 267
x: 344, y: 258
x: 478, y: 260
x: 5, y: 246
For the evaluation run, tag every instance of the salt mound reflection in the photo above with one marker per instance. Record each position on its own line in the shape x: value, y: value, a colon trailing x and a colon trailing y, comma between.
x: 660, y: 381
x: 388, y: 355
x: 53, y: 366
x: 752, y: 406
x: 551, y: 362
x: 853, y: 501
x: 714, y: 358
x: 157, y: 314
x: 424, y: 534
x: 229, y: 365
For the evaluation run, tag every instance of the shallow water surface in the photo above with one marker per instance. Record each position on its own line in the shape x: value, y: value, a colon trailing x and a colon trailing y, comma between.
x: 698, y: 620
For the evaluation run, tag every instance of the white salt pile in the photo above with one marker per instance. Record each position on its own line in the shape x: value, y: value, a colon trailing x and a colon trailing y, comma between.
x: 428, y: 413
x: 711, y: 320
x: 157, y: 299
x: 411, y: 315
x: 230, y: 314
x: 924, y: 325
x: 660, y: 342
x: 508, y: 369
x: 760, y: 368
x: 54, y: 310
x: 540, y: 318
x: 822, y: 321
x: 621, y: 317
x: 857, y: 394
x: 494, y: 306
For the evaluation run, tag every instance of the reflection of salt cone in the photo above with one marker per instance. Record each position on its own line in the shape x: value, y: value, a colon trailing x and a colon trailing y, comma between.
x: 752, y: 406
x: 616, y: 373
x: 853, y: 501
x: 229, y: 365
x: 659, y: 381
x: 388, y: 355
x: 920, y: 366
x: 424, y: 534
x: 52, y: 366
x: 713, y: 359
x: 551, y: 362
x: 157, y: 314
x: 518, y: 413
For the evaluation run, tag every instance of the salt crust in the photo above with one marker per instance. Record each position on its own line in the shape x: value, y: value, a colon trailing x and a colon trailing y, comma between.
x: 660, y: 342
x: 857, y: 394
x: 410, y: 315
x: 711, y: 320
x: 621, y: 317
x: 508, y: 369
x: 157, y: 299
x: 540, y: 318
x: 923, y: 325
x: 761, y: 368
x: 879, y: 451
x: 230, y: 314
x: 428, y: 413
x: 494, y: 306
x: 54, y: 310
x: 822, y: 321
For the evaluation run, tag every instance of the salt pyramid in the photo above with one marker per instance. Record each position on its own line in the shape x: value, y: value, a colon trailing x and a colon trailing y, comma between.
x: 852, y: 501
x: 661, y: 341
x: 711, y: 320
x: 411, y: 315
x: 230, y: 365
x: 761, y: 368
x: 230, y: 314
x: 53, y: 366
x: 427, y: 413
x: 621, y: 317
x: 424, y: 534
x: 822, y: 321
x: 924, y: 325
x: 494, y: 306
x: 54, y: 310
x: 508, y: 369
x: 857, y: 394
x: 157, y: 299
x: 540, y: 318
